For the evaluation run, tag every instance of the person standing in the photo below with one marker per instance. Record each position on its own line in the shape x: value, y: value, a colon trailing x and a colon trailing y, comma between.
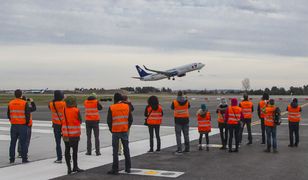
x: 57, y: 107
x: 92, y: 117
x: 181, y: 117
x: 294, y: 117
x: 270, y: 126
x: 261, y: 107
x: 119, y: 120
x: 71, y: 132
x: 204, y: 125
x: 234, y: 116
x: 222, y: 125
x: 154, y: 115
x: 19, y: 115
x: 247, y: 109
x: 32, y: 108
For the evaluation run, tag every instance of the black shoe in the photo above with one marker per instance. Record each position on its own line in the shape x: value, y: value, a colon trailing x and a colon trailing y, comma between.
x: 249, y: 143
x: 12, y: 161
x: 98, y: 154
x: 236, y: 150
x: 113, y: 172
x: 200, y: 148
x: 186, y: 151
x: 275, y: 151
x: 230, y: 151
x: 77, y: 170
x: 178, y: 152
x: 267, y: 150
x: 58, y: 161
x: 223, y: 148
x: 296, y: 145
x: 69, y: 172
x: 25, y: 161
x: 150, y: 151
x: 127, y: 170
x: 88, y: 154
x: 157, y: 150
x: 290, y: 145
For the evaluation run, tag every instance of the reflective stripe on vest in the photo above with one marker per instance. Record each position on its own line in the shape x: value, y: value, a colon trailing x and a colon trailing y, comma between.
x: 17, y: 109
x: 294, y: 114
x: 155, y: 116
x: 71, y: 125
x: 120, y: 115
x: 60, y: 105
x: 247, y: 109
x: 92, y: 113
x: 262, y: 105
x: 180, y: 111
x: 234, y: 115
x: 269, y: 116
x: 220, y: 119
x: 204, y: 123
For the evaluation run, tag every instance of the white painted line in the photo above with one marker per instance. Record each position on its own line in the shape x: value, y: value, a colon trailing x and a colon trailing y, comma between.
x: 155, y: 173
x: 299, y: 124
x: 46, y: 169
x: 43, y: 131
x: 254, y: 134
x: 5, y: 137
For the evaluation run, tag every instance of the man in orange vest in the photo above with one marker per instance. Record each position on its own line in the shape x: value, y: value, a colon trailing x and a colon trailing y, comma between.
x: 271, y: 126
x: 57, y: 107
x: 247, y: 109
x: 204, y: 125
x: 19, y: 115
x: 119, y: 120
x: 181, y: 118
x: 261, y: 107
x: 32, y: 108
x: 294, y: 118
x: 92, y: 108
x: 234, y: 116
x: 222, y: 124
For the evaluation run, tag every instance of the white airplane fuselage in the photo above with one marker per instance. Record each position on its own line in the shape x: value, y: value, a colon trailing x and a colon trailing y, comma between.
x: 179, y: 72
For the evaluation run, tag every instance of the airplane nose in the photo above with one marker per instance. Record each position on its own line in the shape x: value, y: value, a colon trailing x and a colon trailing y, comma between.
x: 202, y: 65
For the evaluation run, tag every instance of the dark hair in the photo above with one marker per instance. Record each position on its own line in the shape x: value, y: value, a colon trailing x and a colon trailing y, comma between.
x: 180, y: 93
x: 117, y: 97
x: 18, y: 93
x: 58, y: 95
x: 153, y: 102
x: 272, y: 102
x: 265, y: 96
x: 245, y: 96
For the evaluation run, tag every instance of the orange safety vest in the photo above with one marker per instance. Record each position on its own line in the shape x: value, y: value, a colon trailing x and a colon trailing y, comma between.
x: 247, y: 109
x: 155, y: 116
x: 220, y: 118
x: 294, y: 114
x: 204, y: 123
x: 71, y: 124
x: 234, y: 115
x: 181, y: 111
x: 17, y: 111
x: 92, y: 113
x: 262, y: 105
x: 60, y: 105
x: 269, y: 116
x: 120, y: 114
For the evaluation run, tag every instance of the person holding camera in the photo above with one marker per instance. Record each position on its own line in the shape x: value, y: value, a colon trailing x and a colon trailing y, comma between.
x: 271, y: 120
x: 294, y: 117
x: 154, y: 115
x: 92, y: 117
x: 19, y: 115
x: 32, y: 108
x: 71, y: 132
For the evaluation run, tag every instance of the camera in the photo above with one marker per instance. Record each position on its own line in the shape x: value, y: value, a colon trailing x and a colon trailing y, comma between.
x: 106, y: 99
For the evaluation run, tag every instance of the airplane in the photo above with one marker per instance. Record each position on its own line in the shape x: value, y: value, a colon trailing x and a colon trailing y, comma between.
x: 35, y: 91
x: 170, y: 74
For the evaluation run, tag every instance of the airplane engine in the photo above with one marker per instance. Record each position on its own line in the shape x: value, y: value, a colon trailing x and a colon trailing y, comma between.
x: 182, y: 75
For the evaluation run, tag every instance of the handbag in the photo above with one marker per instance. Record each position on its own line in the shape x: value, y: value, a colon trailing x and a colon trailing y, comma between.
x: 66, y: 139
x: 146, y: 119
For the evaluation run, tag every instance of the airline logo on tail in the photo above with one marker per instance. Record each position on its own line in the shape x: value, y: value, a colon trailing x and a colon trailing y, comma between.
x: 141, y: 72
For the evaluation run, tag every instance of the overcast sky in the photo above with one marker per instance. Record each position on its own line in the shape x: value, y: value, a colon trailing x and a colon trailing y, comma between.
x: 95, y: 43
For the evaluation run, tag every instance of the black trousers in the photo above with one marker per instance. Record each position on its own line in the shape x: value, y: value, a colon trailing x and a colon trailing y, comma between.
x: 28, y: 139
x: 18, y: 131
x: 246, y: 122
x: 206, y: 138
x: 92, y: 125
x: 115, y: 146
x: 294, y: 130
x: 73, y: 143
x: 155, y: 128
x: 234, y: 131
x: 223, y: 129
x: 263, y: 130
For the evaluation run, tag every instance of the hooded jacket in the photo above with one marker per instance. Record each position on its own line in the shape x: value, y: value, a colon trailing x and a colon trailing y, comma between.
x: 182, y: 101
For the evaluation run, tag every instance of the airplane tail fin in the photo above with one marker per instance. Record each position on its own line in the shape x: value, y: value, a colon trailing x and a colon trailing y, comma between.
x: 141, y: 72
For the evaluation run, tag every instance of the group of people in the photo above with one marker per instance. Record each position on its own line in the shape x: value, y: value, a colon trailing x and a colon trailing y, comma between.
x: 67, y: 120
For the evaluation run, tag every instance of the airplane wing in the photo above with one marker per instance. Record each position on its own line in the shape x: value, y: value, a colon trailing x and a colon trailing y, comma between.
x: 136, y: 77
x: 168, y: 74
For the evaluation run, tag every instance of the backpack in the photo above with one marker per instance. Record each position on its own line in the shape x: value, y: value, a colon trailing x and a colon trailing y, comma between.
x: 277, y: 116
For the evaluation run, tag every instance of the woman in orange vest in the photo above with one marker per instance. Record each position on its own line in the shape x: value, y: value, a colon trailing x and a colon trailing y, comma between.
x: 154, y: 115
x: 294, y: 118
x: 234, y: 116
x: 270, y: 126
x: 261, y: 107
x: 204, y: 125
x: 222, y: 125
x: 56, y: 107
x: 71, y: 132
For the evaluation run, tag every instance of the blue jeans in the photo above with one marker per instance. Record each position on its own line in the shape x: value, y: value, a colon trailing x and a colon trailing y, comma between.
x: 179, y: 128
x: 18, y: 131
x: 115, y: 146
x: 271, y: 135
x: 58, y: 134
x: 28, y: 139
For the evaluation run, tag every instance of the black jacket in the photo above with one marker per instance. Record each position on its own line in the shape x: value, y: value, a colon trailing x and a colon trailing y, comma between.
x: 181, y: 121
x: 109, y: 119
x: 28, y: 111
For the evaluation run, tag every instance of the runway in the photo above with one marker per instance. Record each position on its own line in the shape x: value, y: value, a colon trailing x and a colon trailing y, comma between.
x: 42, y: 149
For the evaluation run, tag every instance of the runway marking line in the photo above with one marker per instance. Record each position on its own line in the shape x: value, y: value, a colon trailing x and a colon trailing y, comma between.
x: 154, y: 173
